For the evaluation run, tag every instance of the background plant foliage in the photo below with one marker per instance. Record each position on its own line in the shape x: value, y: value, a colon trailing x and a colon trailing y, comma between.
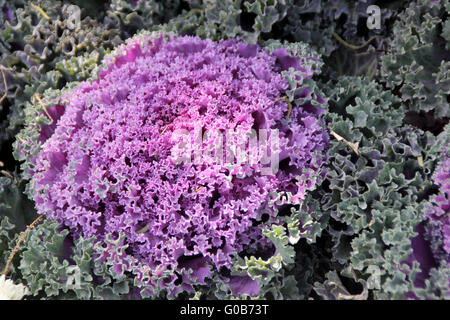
x: 388, y: 103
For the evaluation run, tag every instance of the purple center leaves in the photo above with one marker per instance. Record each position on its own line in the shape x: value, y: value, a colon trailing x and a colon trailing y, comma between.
x: 107, y: 166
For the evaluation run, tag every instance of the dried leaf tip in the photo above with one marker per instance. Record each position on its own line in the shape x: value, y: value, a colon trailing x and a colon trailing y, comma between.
x: 37, y: 96
x: 352, y: 46
x: 19, y: 242
x: 285, y: 99
x: 144, y: 229
x: 40, y: 10
x: 420, y: 161
x: 353, y: 145
x: 6, y: 86
x: 164, y: 130
x: 7, y: 174
x: 21, y: 140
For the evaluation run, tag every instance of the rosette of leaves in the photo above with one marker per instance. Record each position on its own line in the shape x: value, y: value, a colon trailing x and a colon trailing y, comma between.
x: 379, y: 173
x: 418, y: 60
x: 253, y: 271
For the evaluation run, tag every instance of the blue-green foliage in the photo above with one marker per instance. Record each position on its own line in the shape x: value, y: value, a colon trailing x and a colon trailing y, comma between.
x: 352, y: 237
x: 418, y: 60
x: 376, y: 196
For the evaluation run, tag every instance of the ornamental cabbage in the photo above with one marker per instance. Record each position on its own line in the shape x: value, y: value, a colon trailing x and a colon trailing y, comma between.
x: 106, y: 166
